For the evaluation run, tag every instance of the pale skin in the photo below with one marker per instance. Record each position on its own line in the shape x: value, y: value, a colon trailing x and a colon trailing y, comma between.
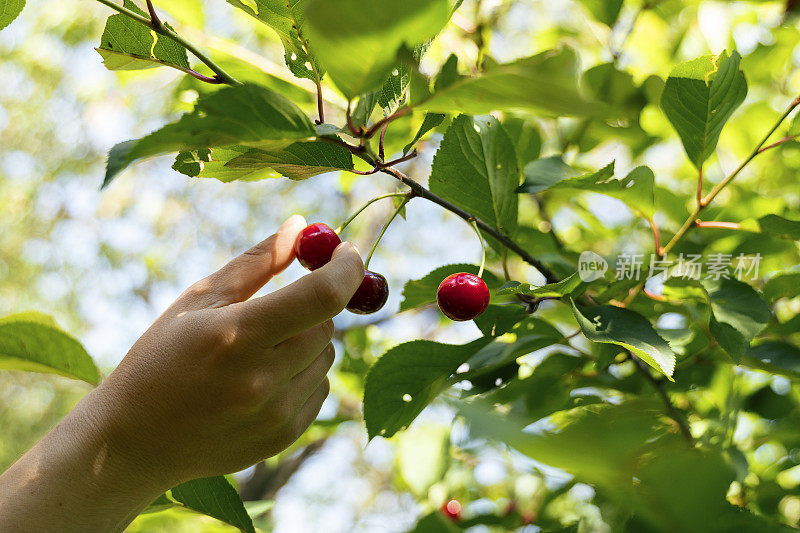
x: 219, y: 382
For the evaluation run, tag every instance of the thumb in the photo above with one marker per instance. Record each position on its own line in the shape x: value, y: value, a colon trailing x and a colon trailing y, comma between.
x: 311, y: 300
x: 245, y: 275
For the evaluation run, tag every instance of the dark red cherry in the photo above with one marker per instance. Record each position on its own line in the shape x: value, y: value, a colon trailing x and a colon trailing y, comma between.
x: 462, y: 296
x: 452, y: 510
x: 371, y: 296
x: 315, y: 245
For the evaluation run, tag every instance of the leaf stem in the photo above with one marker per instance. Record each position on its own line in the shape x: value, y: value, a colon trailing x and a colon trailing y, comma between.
x: 366, y: 205
x: 691, y: 221
x: 157, y: 26
x: 385, y: 227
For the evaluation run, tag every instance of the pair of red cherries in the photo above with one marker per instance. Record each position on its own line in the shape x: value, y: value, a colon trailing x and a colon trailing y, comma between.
x: 460, y: 296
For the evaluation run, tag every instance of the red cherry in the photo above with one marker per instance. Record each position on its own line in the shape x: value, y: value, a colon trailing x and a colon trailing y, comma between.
x: 315, y: 245
x: 370, y: 296
x: 452, y: 510
x: 462, y: 296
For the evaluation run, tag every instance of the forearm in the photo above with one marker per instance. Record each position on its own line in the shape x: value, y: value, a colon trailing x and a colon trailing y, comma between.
x: 76, y: 477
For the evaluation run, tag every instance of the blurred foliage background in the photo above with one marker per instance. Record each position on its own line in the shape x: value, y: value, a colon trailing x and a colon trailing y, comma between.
x: 105, y: 265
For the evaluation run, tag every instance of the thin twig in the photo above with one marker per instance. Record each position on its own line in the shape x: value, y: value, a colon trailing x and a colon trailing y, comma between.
x: 320, y: 105
x: 715, y: 224
x: 692, y: 219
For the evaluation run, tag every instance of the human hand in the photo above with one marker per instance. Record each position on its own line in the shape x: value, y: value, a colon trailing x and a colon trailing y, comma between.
x: 220, y: 382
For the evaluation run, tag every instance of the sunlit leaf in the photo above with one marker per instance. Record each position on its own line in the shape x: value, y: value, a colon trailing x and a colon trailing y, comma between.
x: 9, y: 10
x: 542, y: 83
x: 406, y: 379
x: 357, y: 42
x: 33, y: 342
x: 247, y: 115
x: 699, y: 98
x: 476, y: 169
x: 215, y: 497
x: 127, y: 44
x: 626, y: 328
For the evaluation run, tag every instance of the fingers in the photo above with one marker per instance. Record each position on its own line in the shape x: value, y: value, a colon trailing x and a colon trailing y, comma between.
x: 311, y: 300
x: 299, y: 351
x: 245, y: 275
x: 306, y: 382
x: 308, y: 413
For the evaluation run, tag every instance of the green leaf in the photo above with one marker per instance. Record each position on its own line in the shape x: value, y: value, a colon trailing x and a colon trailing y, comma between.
x: 533, y: 334
x: 422, y: 456
x: 286, y: 17
x: 780, y: 227
x: 606, y: 11
x: 10, y: 10
x: 297, y: 161
x: 548, y: 172
x: 569, y: 286
x: 406, y: 379
x: 364, y: 107
x: 738, y: 314
x: 476, y: 169
x: 128, y: 44
x: 435, y: 522
x: 598, y: 443
x: 422, y: 292
x: 637, y: 189
x: 782, y: 285
x: 247, y: 115
x: 357, y: 42
x: 33, y: 342
x: 544, y: 83
x: 776, y: 357
x: 215, y: 497
x: 526, y: 137
x: 626, y: 328
x: 699, y: 98
x: 499, y: 319
x: 430, y: 121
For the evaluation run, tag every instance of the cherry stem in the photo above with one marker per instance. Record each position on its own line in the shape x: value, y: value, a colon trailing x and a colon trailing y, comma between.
x: 474, y: 225
x: 366, y: 205
x: 220, y: 76
x: 385, y: 227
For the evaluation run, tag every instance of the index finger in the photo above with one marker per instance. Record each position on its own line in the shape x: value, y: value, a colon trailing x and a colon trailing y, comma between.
x: 311, y: 300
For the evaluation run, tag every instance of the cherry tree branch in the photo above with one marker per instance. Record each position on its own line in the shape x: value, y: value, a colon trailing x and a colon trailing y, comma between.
x: 506, y: 241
